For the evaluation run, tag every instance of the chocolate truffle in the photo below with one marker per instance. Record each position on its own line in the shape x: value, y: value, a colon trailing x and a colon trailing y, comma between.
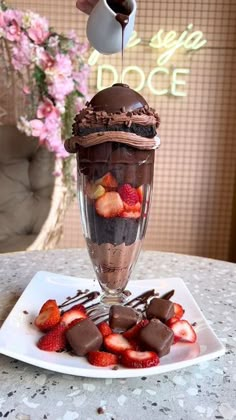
x: 157, y: 337
x: 122, y: 317
x: 161, y: 309
x: 84, y: 337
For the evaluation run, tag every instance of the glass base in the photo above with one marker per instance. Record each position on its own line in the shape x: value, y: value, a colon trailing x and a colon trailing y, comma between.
x: 108, y: 299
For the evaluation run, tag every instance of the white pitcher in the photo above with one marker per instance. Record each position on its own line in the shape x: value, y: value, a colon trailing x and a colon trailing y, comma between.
x: 103, y: 30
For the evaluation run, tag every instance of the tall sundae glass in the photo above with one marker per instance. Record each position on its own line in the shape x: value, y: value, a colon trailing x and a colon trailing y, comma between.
x: 115, y: 140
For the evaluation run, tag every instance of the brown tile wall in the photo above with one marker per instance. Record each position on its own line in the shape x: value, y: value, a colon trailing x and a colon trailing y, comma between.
x: 195, y: 166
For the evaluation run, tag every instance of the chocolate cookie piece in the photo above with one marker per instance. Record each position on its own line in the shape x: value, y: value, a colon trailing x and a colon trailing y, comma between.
x: 84, y: 337
x: 122, y: 317
x: 157, y: 337
x: 161, y: 309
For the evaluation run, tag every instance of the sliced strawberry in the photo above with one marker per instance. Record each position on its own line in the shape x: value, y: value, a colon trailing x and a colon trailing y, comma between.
x: 131, y: 214
x: 102, y: 358
x: 179, y: 311
x: 48, y: 319
x: 139, y: 359
x: 54, y: 340
x: 76, y: 312
x: 171, y: 321
x: 128, y: 194
x: 104, y: 329
x: 184, y: 331
x: 136, y: 344
x: 134, y: 207
x: 94, y: 191
x: 140, y: 193
x: 109, y: 205
x: 116, y: 343
x: 50, y: 303
x: 107, y: 181
x: 134, y: 331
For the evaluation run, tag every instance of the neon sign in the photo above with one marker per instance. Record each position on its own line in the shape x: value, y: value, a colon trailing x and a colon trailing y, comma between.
x: 161, y: 80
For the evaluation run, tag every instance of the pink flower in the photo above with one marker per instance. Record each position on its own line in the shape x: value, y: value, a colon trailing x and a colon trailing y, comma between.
x: 26, y: 90
x: 10, y: 15
x: 43, y: 58
x: 63, y: 65
x: 61, y: 87
x: 21, y: 53
x: 38, y: 31
x: 60, y: 151
x: 36, y: 127
x: 81, y: 78
x: 13, y: 31
x: 46, y: 109
x: 57, y: 172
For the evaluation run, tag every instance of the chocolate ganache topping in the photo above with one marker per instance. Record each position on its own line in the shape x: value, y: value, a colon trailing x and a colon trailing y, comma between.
x: 116, y: 98
x: 116, y: 109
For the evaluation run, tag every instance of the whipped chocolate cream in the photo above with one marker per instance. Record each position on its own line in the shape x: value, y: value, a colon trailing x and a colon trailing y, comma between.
x: 130, y: 139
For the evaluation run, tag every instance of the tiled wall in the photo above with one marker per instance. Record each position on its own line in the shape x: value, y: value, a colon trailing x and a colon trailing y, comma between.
x: 195, y: 166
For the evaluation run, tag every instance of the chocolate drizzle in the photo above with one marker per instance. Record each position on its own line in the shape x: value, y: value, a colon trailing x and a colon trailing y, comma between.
x: 142, y: 299
x: 85, y: 297
x: 80, y: 297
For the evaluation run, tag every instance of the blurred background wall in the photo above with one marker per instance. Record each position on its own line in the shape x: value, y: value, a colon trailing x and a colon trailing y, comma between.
x: 194, y: 188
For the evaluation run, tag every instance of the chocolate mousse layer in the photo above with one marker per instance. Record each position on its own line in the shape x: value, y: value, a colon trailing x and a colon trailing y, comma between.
x: 113, y: 264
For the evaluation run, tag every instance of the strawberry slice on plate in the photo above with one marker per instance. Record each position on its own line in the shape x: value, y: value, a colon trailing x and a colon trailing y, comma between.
x: 134, y: 331
x: 48, y: 318
x: 183, y: 331
x: 139, y: 359
x: 102, y: 358
x: 54, y: 340
x: 171, y: 321
x: 50, y: 303
x: 179, y: 310
x: 116, y: 343
x: 104, y: 328
x: 76, y: 312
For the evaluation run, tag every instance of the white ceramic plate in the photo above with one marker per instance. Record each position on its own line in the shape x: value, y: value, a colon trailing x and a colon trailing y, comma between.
x: 18, y: 336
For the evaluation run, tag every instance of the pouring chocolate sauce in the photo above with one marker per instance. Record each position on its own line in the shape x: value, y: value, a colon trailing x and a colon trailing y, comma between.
x: 122, y: 16
x: 102, y: 29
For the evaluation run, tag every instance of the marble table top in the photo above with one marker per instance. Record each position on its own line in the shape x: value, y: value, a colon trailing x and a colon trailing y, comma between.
x: 203, y: 391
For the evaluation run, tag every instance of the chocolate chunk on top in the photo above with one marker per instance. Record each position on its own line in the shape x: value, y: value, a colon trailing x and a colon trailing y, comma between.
x: 122, y: 317
x: 157, y: 336
x: 84, y: 337
x: 161, y: 309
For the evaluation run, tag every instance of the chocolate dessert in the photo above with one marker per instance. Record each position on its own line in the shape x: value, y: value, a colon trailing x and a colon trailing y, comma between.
x: 161, y: 309
x: 157, y: 336
x: 84, y: 337
x: 122, y: 317
x: 115, y: 137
